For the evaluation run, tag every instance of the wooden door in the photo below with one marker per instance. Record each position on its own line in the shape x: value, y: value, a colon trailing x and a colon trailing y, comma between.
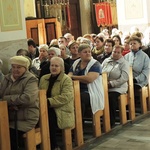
x: 53, y: 29
x: 41, y: 34
x: 75, y: 23
x: 36, y: 30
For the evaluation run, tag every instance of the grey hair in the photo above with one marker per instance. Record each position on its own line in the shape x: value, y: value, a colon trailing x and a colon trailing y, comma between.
x: 59, y: 60
x: 56, y: 50
x: 85, y: 40
x: 44, y: 46
x: 83, y: 46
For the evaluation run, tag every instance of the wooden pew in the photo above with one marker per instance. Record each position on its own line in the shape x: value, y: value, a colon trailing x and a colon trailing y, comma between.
x: 97, y: 131
x: 78, y: 130
x: 39, y: 135
x: 127, y: 99
x: 145, y: 98
x: 144, y: 95
x: 148, y: 99
x: 4, y: 127
x: 106, y: 116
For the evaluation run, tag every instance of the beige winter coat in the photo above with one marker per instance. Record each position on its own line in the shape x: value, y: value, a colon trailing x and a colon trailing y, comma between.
x: 62, y: 99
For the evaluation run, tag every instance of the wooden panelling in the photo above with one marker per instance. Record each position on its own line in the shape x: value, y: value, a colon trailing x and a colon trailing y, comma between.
x: 42, y: 31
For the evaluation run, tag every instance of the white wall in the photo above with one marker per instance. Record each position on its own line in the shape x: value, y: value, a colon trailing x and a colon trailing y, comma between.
x: 137, y: 16
x: 148, y: 11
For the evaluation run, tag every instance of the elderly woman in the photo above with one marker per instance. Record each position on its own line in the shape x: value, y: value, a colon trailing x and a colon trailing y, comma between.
x: 88, y: 71
x: 139, y: 61
x: 117, y: 69
x: 108, y: 47
x: 38, y: 62
x: 52, y: 51
x: 32, y: 69
x: 60, y: 98
x: 20, y: 90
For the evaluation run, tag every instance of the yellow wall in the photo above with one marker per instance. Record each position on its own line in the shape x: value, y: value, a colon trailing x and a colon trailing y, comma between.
x: 85, y: 12
x: 11, y: 41
x: 13, y: 34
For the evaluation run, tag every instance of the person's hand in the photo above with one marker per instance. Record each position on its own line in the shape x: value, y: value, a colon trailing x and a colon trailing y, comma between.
x: 41, y: 57
x: 71, y: 76
x: 109, y: 85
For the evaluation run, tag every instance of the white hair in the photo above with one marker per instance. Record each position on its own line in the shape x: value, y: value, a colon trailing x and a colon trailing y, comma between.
x: 59, y: 60
x: 56, y: 50
x: 101, y: 34
x: 44, y: 46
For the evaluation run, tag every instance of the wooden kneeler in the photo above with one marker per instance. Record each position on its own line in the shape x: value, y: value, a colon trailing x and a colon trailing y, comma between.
x: 78, y: 130
x: 104, y: 113
x: 39, y: 135
x: 127, y: 99
x: 4, y: 127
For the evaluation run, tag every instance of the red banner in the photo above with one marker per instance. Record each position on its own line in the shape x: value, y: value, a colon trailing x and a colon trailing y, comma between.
x: 103, y: 14
x: 109, y: 16
x: 99, y: 12
x: 68, y: 16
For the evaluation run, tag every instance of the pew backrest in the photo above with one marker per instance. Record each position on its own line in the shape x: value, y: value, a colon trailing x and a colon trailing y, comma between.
x: 4, y: 127
x: 40, y: 135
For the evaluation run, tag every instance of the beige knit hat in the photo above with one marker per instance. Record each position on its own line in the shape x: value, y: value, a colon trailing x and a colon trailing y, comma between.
x: 20, y: 60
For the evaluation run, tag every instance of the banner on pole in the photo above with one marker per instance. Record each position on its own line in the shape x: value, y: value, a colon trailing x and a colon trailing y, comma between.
x: 103, y: 14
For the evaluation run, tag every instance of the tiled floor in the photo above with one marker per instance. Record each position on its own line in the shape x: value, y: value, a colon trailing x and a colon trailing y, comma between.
x: 134, y: 136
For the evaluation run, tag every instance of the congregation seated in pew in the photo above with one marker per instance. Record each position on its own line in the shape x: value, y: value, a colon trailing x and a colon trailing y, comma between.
x: 139, y: 61
x: 88, y: 71
x: 60, y: 97
x: 117, y: 69
x: 20, y: 89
